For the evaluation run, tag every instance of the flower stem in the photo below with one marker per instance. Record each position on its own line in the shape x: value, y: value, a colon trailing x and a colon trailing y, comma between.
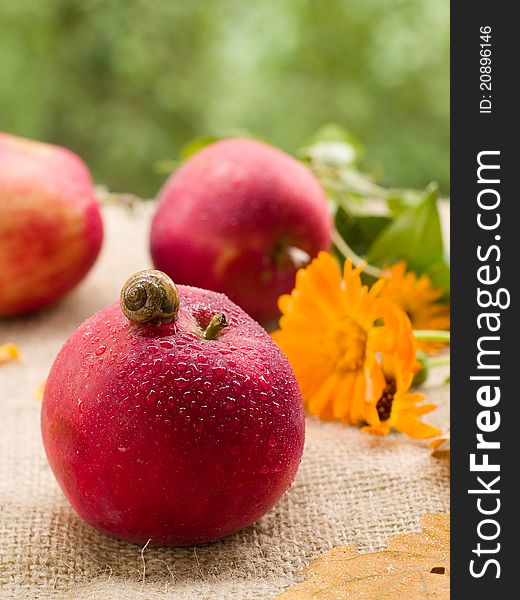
x: 438, y: 361
x: 217, y: 323
x: 432, y: 335
x: 347, y: 252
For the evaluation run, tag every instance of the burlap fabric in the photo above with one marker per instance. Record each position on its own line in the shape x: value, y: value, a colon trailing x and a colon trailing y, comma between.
x: 351, y: 488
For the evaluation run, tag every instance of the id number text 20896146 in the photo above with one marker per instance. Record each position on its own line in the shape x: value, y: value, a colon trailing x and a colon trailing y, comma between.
x: 485, y: 70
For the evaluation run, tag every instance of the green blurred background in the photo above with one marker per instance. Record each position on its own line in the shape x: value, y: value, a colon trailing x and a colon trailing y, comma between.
x: 127, y: 83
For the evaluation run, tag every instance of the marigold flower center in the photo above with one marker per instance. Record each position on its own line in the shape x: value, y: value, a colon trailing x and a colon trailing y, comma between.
x: 384, y: 404
x: 349, y: 343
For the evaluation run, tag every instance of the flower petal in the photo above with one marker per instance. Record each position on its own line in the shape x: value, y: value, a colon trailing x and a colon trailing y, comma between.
x: 415, y: 428
x: 319, y: 400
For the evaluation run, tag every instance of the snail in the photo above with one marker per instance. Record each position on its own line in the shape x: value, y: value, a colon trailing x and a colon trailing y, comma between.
x: 150, y: 296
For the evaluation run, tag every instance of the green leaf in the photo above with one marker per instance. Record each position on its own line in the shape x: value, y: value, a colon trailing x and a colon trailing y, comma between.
x: 197, y: 144
x: 334, y: 132
x: 359, y: 231
x: 400, y: 200
x: 439, y: 274
x: 200, y: 142
x: 415, y: 236
x: 332, y: 145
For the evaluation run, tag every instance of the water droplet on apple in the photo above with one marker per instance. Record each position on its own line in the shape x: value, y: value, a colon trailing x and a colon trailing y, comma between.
x: 181, y: 382
x: 264, y: 384
x: 152, y: 397
x: 100, y: 350
x: 219, y: 371
x: 271, y: 440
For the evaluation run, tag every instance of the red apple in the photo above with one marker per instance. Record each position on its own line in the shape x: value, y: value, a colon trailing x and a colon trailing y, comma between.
x: 238, y: 217
x: 50, y: 225
x: 178, y: 432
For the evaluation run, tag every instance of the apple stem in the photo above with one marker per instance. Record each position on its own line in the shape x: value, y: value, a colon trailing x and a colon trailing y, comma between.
x: 217, y: 323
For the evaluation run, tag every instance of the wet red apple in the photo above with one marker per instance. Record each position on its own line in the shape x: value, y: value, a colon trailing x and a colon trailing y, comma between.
x: 50, y: 225
x: 180, y: 424
x: 240, y: 217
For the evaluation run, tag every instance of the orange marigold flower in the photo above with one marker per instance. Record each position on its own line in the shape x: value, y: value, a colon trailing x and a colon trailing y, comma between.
x: 419, y: 300
x: 335, y: 331
x: 393, y: 405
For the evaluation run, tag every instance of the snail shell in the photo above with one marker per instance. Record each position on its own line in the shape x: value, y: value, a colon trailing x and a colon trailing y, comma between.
x: 150, y: 296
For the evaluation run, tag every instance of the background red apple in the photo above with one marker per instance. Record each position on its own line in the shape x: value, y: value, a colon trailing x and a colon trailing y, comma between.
x: 235, y: 218
x: 163, y: 432
x: 50, y: 225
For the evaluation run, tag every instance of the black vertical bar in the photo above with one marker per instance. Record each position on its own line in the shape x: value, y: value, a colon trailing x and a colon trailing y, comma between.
x: 472, y: 132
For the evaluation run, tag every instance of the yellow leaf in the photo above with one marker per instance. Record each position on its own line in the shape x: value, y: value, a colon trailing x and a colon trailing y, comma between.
x: 441, y: 446
x: 8, y: 353
x: 414, y: 566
